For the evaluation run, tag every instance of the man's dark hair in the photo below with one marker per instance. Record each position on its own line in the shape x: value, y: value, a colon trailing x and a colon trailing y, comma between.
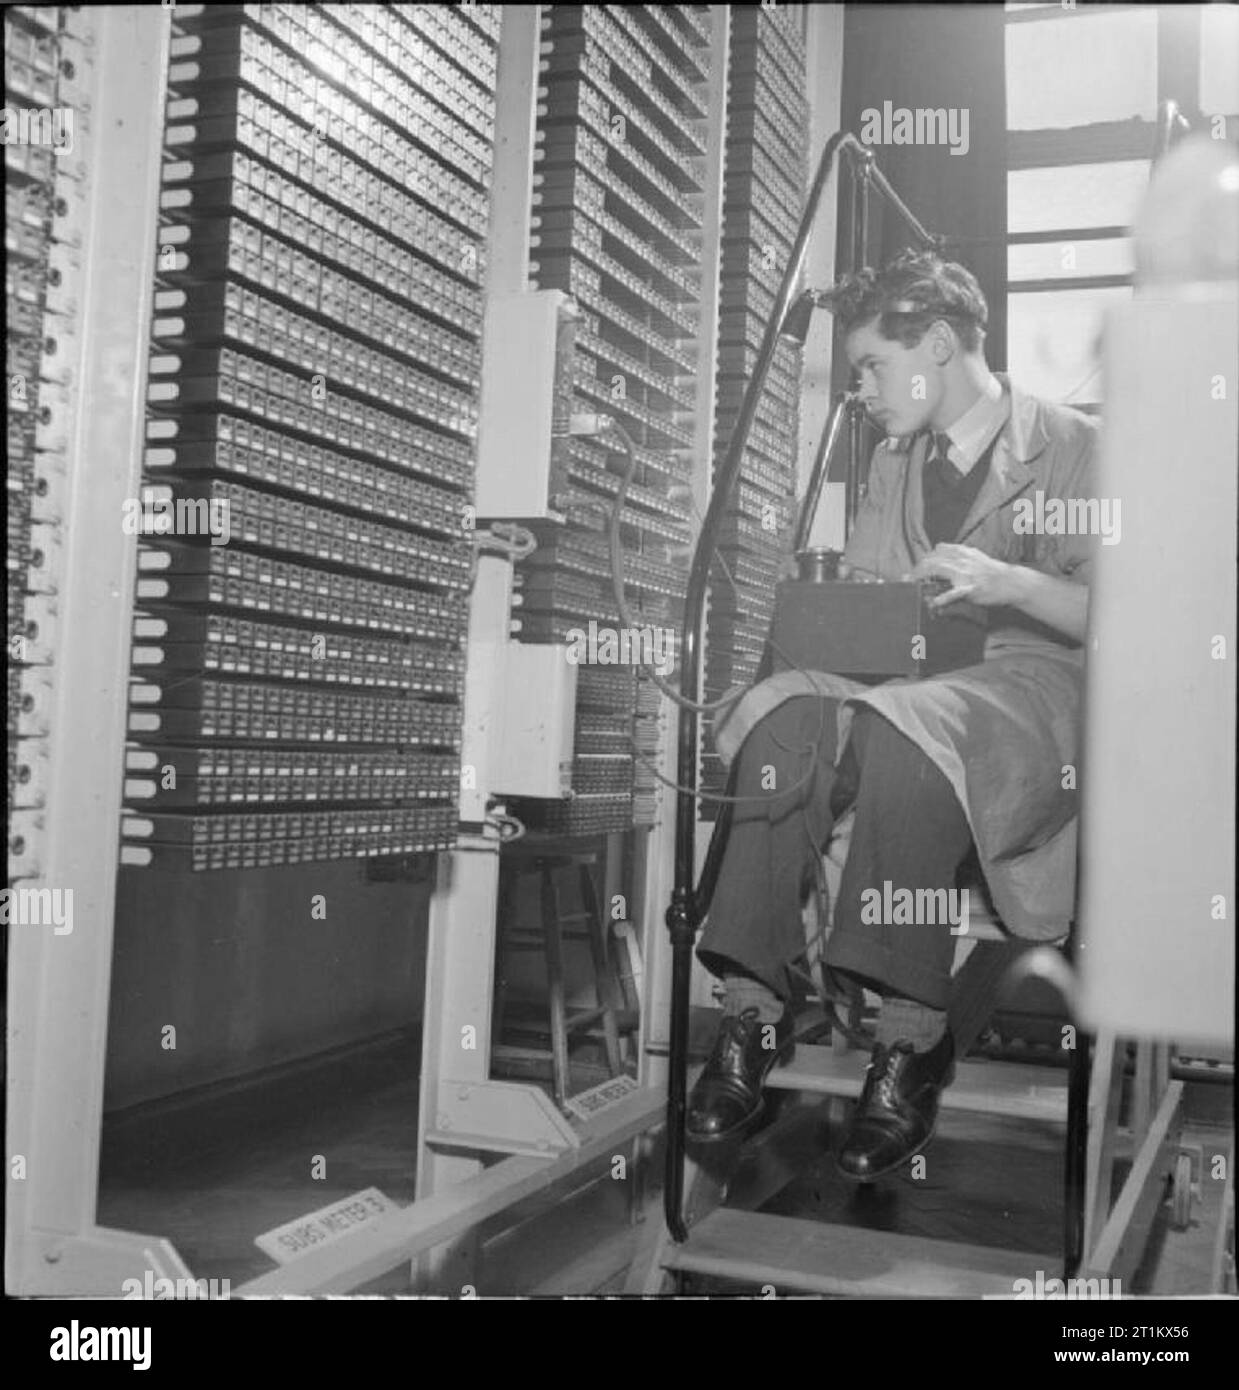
x: 907, y: 295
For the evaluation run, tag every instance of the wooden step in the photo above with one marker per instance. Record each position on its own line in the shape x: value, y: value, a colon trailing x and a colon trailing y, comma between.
x: 993, y: 1088
x: 815, y: 1257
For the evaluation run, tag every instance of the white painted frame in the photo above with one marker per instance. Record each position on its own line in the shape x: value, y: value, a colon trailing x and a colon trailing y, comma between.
x: 59, y: 985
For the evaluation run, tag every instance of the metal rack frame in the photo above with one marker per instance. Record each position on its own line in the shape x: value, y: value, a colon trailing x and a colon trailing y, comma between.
x: 91, y: 454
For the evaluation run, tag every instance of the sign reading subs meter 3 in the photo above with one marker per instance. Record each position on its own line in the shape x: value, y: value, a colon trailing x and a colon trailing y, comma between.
x: 320, y: 1227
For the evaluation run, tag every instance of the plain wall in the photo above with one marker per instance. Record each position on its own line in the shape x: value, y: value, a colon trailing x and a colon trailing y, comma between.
x: 236, y: 963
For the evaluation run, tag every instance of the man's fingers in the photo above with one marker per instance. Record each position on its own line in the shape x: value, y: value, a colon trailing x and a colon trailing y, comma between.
x: 932, y: 567
x: 952, y: 596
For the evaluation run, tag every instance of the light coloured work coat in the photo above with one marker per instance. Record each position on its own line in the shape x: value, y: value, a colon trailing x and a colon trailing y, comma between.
x: 1005, y: 732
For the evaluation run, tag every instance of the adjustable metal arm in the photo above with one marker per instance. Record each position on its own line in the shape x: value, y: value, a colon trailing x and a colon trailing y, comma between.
x: 867, y: 169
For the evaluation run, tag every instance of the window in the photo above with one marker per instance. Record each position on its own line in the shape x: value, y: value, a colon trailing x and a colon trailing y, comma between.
x: 1219, y: 60
x: 1061, y: 75
x: 1068, y: 260
x: 1083, y: 100
x: 1053, y: 342
x: 1075, y: 196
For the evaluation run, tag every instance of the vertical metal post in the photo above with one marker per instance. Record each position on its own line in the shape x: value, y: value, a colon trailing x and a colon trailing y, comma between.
x: 655, y: 858
x: 861, y: 181
x: 683, y: 915
x: 101, y: 284
x: 461, y: 948
x: 1075, y: 1149
x: 459, y: 976
x: 856, y: 437
x: 1075, y: 1157
x: 817, y: 475
x: 861, y: 165
x: 824, y: 71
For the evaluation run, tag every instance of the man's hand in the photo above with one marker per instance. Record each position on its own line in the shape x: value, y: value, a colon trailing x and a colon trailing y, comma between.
x: 972, y: 575
x: 1049, y: 598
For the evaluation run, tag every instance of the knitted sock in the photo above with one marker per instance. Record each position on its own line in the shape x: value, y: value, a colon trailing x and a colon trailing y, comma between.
x: 906, y: 1020
x: 743, y: 992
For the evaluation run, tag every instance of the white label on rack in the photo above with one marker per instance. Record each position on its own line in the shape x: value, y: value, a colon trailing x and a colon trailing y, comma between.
x: 328, y: 1224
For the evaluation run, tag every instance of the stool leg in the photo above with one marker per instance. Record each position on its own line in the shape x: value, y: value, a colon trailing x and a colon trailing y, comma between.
x: 604, y: 994
x: 555, y: 981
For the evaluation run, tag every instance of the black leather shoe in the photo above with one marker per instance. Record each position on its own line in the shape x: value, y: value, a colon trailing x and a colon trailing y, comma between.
x: 898, y: 1108
x: 728, y: 1093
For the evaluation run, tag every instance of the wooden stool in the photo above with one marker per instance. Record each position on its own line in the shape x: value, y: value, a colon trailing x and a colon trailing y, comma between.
x: 546, y: 859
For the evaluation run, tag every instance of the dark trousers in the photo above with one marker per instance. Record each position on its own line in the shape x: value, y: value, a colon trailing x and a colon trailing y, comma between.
x: 910, y: 832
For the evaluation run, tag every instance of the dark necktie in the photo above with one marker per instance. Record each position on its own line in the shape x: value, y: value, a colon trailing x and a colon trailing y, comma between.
x: 939, y: 462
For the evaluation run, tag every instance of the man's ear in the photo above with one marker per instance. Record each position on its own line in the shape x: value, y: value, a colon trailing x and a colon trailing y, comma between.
x: 941, y: 342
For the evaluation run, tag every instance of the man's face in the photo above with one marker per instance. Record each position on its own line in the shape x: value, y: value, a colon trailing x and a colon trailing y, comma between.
x: 899, y: 386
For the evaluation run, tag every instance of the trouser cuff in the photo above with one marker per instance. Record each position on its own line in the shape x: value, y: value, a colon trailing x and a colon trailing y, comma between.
x: 889, y: 970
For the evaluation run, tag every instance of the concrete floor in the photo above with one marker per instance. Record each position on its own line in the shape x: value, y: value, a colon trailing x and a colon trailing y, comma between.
x: 221, y: 1168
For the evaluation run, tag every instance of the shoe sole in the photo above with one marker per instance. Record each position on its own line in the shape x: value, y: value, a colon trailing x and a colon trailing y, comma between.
x: 784, y: 1053
x: 894, y: 1167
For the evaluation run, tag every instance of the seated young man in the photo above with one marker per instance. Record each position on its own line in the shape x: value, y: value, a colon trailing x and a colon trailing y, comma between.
x: 984, y: 756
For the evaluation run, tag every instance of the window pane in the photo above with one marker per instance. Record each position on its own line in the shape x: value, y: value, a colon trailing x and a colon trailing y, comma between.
x: 1081, y: 69
x: 1219, y: 60
x: 1075, y: 195
x: 1053, y: 342
x: 1066, y: 260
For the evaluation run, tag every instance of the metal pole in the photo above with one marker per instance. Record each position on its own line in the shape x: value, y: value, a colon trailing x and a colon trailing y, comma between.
x: 882, y: 184
x: 688, y: 907
x: 1076, y: 1154
x: 817, y: 478
x: 863, y: 171
x: 460, y: 953
x: 683, y: 915
x: 851, y: 490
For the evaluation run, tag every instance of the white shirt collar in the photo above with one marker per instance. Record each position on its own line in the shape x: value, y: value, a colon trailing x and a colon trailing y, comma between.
x: 971, y: 434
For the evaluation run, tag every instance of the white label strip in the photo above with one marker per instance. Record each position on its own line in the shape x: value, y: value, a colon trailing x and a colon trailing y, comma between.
x: 317, y: 1228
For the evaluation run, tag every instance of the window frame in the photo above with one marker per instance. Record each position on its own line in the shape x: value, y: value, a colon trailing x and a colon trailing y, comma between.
x: 1178, y: 39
